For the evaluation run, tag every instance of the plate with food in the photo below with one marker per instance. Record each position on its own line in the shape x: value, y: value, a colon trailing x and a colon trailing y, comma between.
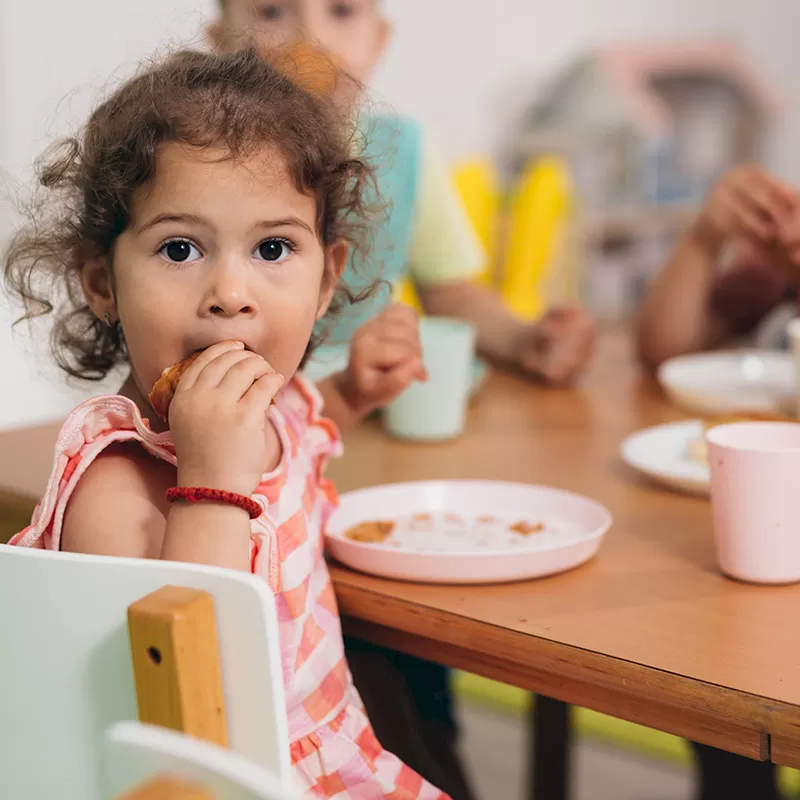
x: 731, y: 381
x: 676, y: 454
x: 671, y: 455
x: 465, y: 531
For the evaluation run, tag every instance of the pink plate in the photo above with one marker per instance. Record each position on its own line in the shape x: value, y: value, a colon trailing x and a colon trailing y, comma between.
x: 463, y: 531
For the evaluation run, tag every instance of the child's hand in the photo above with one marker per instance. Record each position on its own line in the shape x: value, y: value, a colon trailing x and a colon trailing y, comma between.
x: 385, y: 358
x: 218, y: 419
x: 789, y: 240
x: 558, y: 347
x: 746, y: 203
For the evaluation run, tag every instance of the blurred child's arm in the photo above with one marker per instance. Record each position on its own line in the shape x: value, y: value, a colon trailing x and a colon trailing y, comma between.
x: 680, y: 314
x: 555, y: 349
x: 385, y: 358
x: 676, y: 317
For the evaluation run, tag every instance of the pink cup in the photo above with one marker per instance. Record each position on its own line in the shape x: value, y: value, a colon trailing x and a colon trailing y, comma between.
x: 755, y: 495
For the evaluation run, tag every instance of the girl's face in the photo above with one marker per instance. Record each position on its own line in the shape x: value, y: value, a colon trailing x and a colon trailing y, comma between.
x: 217, y: 249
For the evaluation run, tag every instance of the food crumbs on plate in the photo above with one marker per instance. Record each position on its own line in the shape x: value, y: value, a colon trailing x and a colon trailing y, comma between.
x: 486, y: 519
x: 454, y: 519
x: 421, y: 522
x: 370, y: 532
x: 527, y: 528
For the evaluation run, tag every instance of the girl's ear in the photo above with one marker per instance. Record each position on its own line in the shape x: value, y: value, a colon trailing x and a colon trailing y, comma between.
x: 335, y: 262
x: 98, y: 288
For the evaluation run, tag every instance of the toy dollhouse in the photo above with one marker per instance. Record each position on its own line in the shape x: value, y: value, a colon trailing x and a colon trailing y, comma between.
x: 646, y: 129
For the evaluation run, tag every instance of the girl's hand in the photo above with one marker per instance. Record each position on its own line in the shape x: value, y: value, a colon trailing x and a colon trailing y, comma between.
x: 219, y: 421
x: 385, y: 358
x: 558, y: 348
x: 747, y: 203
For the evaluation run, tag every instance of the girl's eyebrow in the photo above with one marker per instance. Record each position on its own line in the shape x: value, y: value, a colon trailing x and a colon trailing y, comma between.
x: 288, y: 222
x: 159, y: 219
x: 192, y: 219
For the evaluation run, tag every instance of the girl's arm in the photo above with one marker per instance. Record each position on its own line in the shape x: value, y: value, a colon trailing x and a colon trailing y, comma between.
x: 223, y: 440
x: 676, y: 316
x: 118, y: 508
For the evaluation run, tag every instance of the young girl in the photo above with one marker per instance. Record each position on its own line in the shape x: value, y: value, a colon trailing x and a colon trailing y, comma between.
x: 208, y: 206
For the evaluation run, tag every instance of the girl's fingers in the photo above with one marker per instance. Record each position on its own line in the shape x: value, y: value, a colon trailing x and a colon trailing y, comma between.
x: 398, y: 329
x: 242, y: 375
x: 215, y: 370
x: 193, y: 371
x: 262, y: 392
x: 390, y: 353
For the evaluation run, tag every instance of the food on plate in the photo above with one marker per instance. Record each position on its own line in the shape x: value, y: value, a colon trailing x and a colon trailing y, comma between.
x: 526, y: 528
x: 421, y: 522
x: 698, y: 448
x: 370, y: 532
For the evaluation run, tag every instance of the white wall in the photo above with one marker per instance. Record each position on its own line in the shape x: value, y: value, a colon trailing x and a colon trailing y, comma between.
x: 459, y: 65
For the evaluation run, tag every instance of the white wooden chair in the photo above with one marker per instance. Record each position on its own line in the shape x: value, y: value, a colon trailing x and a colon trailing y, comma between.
x: 135, y: 755
x: 66, y: 674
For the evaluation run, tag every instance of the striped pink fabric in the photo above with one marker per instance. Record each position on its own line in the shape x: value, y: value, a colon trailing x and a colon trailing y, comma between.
x: 334, y: 750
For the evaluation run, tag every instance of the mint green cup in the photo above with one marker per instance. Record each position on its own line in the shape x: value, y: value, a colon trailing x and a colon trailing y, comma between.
x: 437, y: 410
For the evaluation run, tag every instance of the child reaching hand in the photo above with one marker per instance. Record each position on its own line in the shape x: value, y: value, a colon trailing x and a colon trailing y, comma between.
x: 209, y: 206
x: 699, y: 302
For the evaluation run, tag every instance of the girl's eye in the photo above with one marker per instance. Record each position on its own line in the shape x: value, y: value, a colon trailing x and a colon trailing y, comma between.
x: 273, y: 250
x: 343, y: 10
x: 180, y: 251
x: 271, y: 12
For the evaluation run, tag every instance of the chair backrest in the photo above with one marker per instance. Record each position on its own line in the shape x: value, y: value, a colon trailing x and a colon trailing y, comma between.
x: 66, y: 674
x: 134, y: 754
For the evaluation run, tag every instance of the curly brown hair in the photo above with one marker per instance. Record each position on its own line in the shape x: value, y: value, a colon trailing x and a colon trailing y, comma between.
x: 238, y: 101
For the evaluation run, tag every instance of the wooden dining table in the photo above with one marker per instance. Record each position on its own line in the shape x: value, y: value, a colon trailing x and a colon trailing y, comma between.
x: 649, y: 631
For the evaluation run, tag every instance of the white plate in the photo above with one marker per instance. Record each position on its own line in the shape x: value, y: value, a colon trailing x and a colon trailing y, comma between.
x: 717, y: 383
x: 662, y: 453
x: 455, y: 545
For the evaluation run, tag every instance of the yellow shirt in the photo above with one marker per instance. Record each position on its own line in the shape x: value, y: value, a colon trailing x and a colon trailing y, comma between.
x: 444, y: 246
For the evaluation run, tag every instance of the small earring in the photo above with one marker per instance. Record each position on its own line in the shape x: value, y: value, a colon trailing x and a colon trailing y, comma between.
x: 107, y: 319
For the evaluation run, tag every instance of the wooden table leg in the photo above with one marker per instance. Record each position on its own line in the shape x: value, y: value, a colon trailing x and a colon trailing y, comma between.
x: 549, y: 761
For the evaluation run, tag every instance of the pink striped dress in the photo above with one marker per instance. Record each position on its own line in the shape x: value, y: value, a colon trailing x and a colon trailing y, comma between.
x: 334, y: 750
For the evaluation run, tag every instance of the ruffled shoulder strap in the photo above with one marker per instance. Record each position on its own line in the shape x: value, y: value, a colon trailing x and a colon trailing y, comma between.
x: 91, y: 428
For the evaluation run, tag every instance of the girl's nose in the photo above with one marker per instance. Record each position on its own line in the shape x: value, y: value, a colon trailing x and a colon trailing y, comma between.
x: 229, y: 294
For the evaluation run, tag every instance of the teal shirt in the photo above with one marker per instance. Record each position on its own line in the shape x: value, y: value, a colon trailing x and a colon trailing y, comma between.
x: 393, y: 150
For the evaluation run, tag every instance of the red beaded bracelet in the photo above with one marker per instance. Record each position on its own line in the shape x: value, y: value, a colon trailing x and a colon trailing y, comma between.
x: 199, y: 494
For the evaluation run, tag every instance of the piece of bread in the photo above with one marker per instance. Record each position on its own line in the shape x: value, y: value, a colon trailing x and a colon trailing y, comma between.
x: 164, y: 388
